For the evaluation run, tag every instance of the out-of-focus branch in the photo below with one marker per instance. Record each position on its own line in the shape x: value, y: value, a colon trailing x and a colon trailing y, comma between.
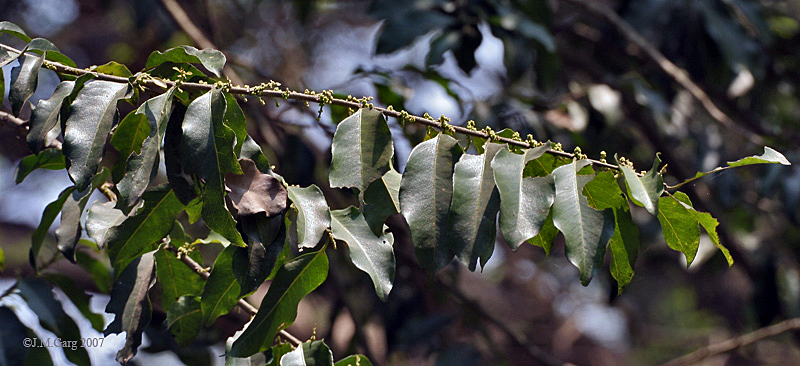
x: 734, y: 343
x: 22, y: 126
x: 679, y: 75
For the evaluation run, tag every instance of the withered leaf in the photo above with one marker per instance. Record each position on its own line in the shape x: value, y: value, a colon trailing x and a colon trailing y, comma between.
x: 254, y: 191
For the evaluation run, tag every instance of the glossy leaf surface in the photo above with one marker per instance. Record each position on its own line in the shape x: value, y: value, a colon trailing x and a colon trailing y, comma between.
x: 131, y: 305
x: 361, y: 150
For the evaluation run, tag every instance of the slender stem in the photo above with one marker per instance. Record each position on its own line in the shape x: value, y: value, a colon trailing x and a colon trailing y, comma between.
x: 314, y: 98
x: 678, y: 74
x: 736, y: 342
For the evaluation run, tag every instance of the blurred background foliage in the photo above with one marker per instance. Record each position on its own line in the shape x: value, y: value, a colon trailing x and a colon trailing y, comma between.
x: 546, y: 67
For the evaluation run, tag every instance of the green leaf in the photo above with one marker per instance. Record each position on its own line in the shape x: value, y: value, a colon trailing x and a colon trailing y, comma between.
x: 602, y: 193
x: 265, y: 242
x: 212, y: 60
x: 645, y: 190
x: 221, y: 291
x: 114, y: 68
x: 13, y: 29
x: 381, y: 200
x: 143, y: 230
x: 361, y: 150
x: 681, y: 231
x: 141, y: 168
x: 44, y: 47
x: 39, y: 297
x: 45, y: 116
x: 524, y: 202
x: 354, y: 360
x: 175, y: 277
x: 294, y: 280
x: 127, y: 139
x: 473, y: 211
x: 91, y: 117
x: 369, y: 253
x: 546, y: 235
x: 425, y: 194
x: 251, y: 150
x: 770, y: 156
x: 179, y: 178
x: 708, y: 222
x: 51, y: 159
x: 48, y: 216
x: 131, y: 305
x: 2, y: 260
x: 207, y: 151
x: 586, y: 230
x: 255, y: 192
x: 313, y: 216
x: 309, y: 353
x: 69, y: 232
x: 235, y: 120
x: 102, y: 217
x: 13, y: 335
x: 185, y: 319
x: 78, y: 297
x: 23, y: 81
x: 96, y: 263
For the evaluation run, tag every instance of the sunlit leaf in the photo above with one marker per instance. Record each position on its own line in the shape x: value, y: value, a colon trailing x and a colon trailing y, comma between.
x: 309, y: 353
x: 69, y: 231
x: 361, y: 150
x: 354, y: 360
x: 45, y: 116
x: 23, y: 81
x: 13, y: 29
x: 681, y: 231
x: 426, y: 191
x: 473, y: 211
x: 368, y: 252
x: 296, y: 279
x: 131, y: 305
x: 524, y: 202
x: 212, y: 60
x: 381, y: 200
x: 235, y: 120
x: 114, y: 68
x: 91, y: 117
x: 102, y: 217
x: 586, y: 230
x: 770, y: 156
x: 51, y: 159
x: 645, y: 190
x: 313, y: 216
x: 681, y: 205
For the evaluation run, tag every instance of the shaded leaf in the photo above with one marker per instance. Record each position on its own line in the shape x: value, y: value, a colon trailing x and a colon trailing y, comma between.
x: 45, y: 116
x: 175, y: 277
x: 142, y: 167
x: 185, y: 319
x: 361, y: 150
x: 23, y: 81
x: 645, y: 190
x: 369, y: 253
x: 131, y: 305
x: 179, y: 178
x: 114, y: 68
x: 212, y: 60
x: 102, y: 217
x: 251, y: 150
x: 313, y: 216
x: 294, y: 280
x: 2, y: 260
x: 547, y: 234
x: 381, y: 200
x: 13, y: 29
x: 235, y: 120
x: 44, y: 47
x: 425, y: 194
x: 354, y: 360
x: 39, y: 297
x: 143, y: 230
x: 50, y: 159
x: 98, y: 267
x: 69, y: 232
x: 221, y: 291
x: 314, y: 353
x: 473, y: 211
x: 12, y: 336
x: 586, y: 230
x: 48, y: 216
x: 78, y: 297
x: 255, y: 192
x: 524, y: 202
x: 265, y: 241
x: 207, y: 151
x: 91, y: 117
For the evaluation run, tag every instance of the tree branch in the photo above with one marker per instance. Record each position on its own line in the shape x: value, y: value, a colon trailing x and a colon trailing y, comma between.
x: 321, y: 98
x: 679, y: 75
x: 734, y: 343
x: 22, y: 126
